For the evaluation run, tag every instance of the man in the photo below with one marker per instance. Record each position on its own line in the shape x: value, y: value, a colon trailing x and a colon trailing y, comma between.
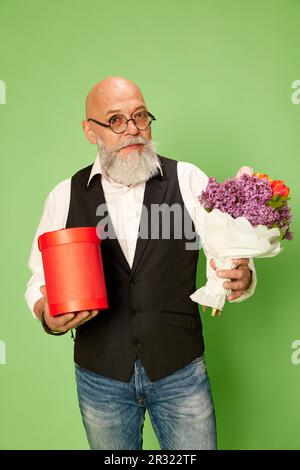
x: 146, y: 350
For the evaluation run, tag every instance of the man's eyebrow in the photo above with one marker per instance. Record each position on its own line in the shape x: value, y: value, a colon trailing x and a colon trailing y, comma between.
x: 140, y: 107
x: 113, y: 111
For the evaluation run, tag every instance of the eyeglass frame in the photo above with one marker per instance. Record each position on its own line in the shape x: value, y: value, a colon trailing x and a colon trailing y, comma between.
x: 131, y: 119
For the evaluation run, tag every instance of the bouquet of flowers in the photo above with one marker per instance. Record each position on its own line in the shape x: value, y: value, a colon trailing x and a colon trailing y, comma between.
x: 246, y: 216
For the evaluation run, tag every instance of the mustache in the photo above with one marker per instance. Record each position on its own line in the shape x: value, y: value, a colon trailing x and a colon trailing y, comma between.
x: 131, y: 141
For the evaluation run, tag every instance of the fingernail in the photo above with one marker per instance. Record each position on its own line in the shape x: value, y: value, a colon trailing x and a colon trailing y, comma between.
x: 220, y: 273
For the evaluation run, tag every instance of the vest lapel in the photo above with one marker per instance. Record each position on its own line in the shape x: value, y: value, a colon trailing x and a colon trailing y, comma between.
x: 114, y: 242
x: 155, y: 191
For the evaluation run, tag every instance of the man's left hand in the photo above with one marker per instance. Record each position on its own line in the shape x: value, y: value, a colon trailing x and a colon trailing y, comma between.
x: 240, y: 277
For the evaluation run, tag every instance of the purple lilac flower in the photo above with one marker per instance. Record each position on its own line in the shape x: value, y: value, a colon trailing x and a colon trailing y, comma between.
x: 247, y: 196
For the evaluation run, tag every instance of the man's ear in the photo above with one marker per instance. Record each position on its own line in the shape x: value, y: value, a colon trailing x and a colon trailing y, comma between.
x: 89, y: 133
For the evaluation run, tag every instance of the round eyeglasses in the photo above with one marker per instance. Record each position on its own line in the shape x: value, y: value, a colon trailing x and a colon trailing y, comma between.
x: 119, y: 123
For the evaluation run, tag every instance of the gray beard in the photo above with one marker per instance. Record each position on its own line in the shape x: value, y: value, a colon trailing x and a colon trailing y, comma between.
x: 135, y: 167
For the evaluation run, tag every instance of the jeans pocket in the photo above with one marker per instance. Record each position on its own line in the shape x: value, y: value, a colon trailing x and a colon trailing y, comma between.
x: 198, y: 359
x: 200, y: 363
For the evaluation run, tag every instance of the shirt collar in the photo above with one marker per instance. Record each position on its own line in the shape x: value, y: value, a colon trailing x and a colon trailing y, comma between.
x: 97, y: 170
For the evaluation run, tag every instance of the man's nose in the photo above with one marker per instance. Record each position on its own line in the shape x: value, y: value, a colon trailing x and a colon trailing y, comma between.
x: 131, y: 129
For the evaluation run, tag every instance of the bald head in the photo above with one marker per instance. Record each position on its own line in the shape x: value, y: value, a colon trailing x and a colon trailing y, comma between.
x: 108, y: 99
x: 129, y: 156
x: 110, y: 94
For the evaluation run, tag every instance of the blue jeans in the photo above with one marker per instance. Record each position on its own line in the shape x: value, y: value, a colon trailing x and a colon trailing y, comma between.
x: 179, y: 405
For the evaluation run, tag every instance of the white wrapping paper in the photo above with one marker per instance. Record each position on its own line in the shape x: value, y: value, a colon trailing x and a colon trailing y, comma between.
x: 226, y: 239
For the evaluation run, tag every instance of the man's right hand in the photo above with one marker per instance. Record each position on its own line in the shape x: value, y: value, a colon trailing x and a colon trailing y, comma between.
x: 61, y: 323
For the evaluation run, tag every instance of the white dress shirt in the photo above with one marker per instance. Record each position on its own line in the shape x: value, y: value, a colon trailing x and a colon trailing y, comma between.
x: 124, y: 204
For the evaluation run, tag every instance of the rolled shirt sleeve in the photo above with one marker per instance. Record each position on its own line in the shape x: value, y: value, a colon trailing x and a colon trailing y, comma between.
x: 54, y: 217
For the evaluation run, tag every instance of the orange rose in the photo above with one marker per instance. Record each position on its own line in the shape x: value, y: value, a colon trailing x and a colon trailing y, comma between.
x: 279, y: 188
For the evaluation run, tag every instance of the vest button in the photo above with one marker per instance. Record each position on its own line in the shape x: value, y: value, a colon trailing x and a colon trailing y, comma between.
x: 134, y: 312
x: 138, y: 343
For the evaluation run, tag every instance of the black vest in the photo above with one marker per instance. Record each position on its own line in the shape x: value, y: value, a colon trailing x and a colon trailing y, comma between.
x: 150, y: 314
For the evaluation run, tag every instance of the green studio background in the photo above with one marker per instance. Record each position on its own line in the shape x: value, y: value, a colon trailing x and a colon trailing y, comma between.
x: 218, y: 77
